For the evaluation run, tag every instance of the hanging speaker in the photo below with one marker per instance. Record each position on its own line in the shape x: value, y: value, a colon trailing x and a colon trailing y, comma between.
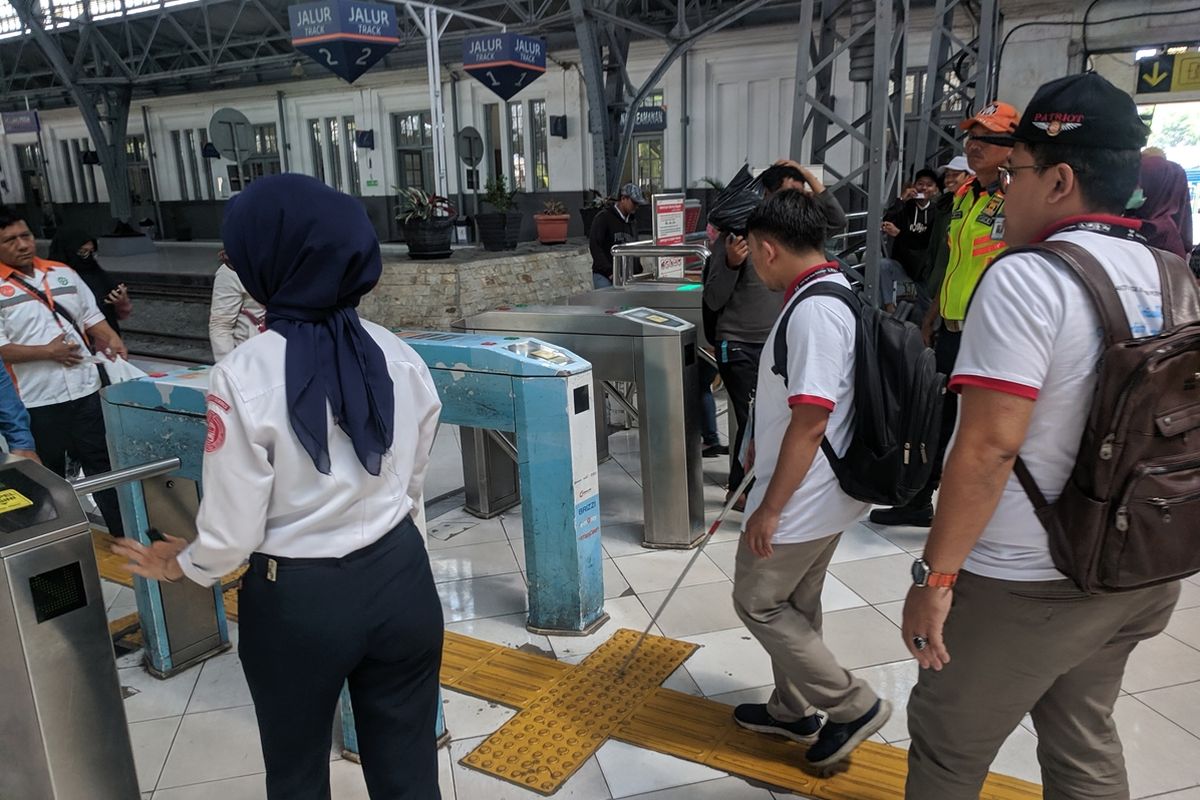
x: 365, y: 139
x: 558, y: 126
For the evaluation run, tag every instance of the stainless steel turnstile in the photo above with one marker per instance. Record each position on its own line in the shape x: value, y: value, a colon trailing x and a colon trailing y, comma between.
x: 63, y: 733
x: 657, y: 353
x: 683, y: 300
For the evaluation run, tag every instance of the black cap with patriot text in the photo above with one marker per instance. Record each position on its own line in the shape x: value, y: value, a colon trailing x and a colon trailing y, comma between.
x: 1082, y: 111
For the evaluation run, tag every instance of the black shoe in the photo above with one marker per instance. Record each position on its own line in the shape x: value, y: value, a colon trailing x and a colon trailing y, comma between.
x: 754, y: 717
x: 837, y: 739
x: 714, y: 450
x: 913, y: 516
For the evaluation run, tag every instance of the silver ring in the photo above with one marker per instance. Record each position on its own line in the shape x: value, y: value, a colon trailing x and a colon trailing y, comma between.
x: 920, y: 642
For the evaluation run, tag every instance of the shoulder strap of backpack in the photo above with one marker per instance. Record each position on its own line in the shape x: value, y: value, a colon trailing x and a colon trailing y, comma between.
x: 823, y: 288
x: 1180, y: 293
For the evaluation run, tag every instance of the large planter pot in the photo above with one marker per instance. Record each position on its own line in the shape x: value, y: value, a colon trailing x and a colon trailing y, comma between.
x: 499, y: 231
x: 588, y: 213
x: 428, y: 238
x: 552, y: 228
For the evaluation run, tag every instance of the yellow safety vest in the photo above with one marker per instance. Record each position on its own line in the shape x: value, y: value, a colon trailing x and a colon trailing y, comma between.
x: 973, y: 226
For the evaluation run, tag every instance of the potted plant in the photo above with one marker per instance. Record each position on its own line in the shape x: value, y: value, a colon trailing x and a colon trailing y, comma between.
x: 428, y: 221
x: 552, y: 223
x: 593, y: 206
x: 501, y: 230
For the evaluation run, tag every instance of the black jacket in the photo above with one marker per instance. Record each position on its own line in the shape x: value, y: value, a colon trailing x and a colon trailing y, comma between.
x: 608, y: 229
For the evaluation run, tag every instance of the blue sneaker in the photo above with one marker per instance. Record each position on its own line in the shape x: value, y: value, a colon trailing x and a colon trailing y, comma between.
x: 754, y: 717
x: 838, y: 739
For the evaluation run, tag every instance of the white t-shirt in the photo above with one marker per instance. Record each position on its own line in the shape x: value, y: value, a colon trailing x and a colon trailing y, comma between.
x: 261, y: 489
x: 1033, y: 331
x: 26, y: 320
x: 820, y: 369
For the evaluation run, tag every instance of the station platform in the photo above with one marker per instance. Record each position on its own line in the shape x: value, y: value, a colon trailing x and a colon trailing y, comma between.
x: 195, y: 734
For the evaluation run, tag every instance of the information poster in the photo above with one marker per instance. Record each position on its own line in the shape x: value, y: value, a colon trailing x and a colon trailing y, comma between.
x: 668, y: 210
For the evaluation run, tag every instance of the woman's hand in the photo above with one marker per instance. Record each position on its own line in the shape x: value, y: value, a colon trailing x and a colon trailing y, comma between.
x: 158, y: 562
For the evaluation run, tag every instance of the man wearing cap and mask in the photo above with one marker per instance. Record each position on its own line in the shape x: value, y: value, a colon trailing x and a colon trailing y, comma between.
x: 998, y: 631
x: 975, y: 238
x: 613, y: 225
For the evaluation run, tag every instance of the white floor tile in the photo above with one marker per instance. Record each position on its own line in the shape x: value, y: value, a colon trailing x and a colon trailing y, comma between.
x: 586, y: 784
x: 1159, y: 662
x: 623, y: 538
x: 721, y: 789
x: 109, y: 591
x: 1189, y: 595
x: 346, y: 781
x: 877, y: 580
x: 1160, y: 756
x: 214, y: 745
x: 123, y: 603
x: 1185, y: 626
x: 1018, y: 757
x: 222, y: 684
x: 147, y: 697
x: 484, y: 597
x: 633, y: 770
x: 1186, y: 794
x: 445, y: 774
x: 911, y: 540
x: 893, y: 611
x: 836, y: 595
x: 695, y: 609
x: 1180, y: 704
x: 759, y: 694
x: 893, y: 682
x: 249, y: 787
x: 615, y: 584
x: 624, y: 612
x: 469, y: 717
x: 858, y: 541
x: 862, y: 637
x: 457, y: 531
x: 728, y: 661
x: 473, y: 561
x: 151, y: 744
x: 508, y: 630
x: 724, y: 555
x: 658, y: 570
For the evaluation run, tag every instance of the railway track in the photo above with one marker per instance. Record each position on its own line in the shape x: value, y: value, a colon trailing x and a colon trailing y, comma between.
x: 170, y: 315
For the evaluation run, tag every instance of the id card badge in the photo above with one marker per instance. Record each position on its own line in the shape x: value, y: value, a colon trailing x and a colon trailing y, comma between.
x: 998, y: 229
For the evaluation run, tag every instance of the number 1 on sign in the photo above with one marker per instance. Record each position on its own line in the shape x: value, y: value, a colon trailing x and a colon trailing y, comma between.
x: 330, y: 61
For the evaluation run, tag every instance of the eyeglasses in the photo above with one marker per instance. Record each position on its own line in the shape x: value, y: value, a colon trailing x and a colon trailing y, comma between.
x: 1007, y: 173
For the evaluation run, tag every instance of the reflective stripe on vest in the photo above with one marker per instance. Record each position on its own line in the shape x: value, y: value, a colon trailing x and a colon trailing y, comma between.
x: 972, y: 248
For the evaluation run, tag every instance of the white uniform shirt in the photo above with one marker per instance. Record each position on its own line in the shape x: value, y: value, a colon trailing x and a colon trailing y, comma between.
x: 820, y: 369
x: 261, y: 490
x: 26, y: 320
x: 234, y: 315
x: 1034, y: 332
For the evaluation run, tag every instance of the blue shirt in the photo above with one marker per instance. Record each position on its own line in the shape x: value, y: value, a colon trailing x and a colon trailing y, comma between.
x: 14, y: 419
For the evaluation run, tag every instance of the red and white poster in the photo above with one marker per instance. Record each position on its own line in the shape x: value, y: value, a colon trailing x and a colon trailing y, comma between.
x: 668, y: 210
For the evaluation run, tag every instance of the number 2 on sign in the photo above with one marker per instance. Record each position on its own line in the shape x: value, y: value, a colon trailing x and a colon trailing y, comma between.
x: 330, y: 61
x: 362, y: 60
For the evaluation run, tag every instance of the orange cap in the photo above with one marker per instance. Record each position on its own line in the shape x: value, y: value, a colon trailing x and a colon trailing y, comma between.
x: 996, y: 117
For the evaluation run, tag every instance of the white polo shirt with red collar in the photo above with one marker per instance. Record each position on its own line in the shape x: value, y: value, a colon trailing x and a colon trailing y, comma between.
x: 820, y: 367
x: 1034, y: 332
x: 26, y: 320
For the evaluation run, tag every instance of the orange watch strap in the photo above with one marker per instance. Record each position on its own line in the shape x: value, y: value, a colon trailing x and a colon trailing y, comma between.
x: 941, y: 580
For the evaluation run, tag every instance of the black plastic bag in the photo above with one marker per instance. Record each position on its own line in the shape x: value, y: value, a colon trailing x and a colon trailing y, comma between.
x: 731, y: 210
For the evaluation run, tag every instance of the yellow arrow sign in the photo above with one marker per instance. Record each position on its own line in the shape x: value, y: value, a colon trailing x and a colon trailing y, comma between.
x: 1156, y: 75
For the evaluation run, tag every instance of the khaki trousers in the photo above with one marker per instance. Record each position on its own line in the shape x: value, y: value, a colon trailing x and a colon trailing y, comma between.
x: 1043, y: 648
x: 779, y: 600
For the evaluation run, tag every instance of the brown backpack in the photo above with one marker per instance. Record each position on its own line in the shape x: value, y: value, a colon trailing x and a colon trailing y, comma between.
x: 1129, y: 516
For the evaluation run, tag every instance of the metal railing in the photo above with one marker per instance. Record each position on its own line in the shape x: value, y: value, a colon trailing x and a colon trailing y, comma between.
x: 623, y: 254
x: 119, y: 477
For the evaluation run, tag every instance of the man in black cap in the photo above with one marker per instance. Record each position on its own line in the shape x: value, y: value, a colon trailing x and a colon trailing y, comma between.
x: 998, y: 631
x: 613, y: 225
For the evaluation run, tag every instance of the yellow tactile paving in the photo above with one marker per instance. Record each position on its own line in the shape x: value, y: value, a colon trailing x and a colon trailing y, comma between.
x: 564, y: 725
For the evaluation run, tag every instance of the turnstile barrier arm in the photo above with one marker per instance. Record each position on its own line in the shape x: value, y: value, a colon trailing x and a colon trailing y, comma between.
x: 119, y: 477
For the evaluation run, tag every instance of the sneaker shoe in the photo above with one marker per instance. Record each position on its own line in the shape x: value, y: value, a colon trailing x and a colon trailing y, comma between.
x: 837, y: 739
x: 754, y: 717
x: 913, y: 516
x: 714, y: 450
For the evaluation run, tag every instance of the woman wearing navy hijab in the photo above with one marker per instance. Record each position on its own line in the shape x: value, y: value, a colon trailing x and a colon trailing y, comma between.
x: 319, y: 433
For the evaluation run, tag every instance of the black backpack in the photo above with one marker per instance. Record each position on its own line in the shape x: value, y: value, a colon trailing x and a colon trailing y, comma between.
x: 897, y: 413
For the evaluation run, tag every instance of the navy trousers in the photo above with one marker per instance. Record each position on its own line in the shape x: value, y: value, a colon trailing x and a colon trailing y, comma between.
x: 373, y: 618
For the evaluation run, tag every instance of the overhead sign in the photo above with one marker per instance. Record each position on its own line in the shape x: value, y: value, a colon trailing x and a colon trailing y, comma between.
x: 1169, y: 73
x: 505, y: 62
x: 344, y: 36
x: 20, y: 122
x: 648, y: 119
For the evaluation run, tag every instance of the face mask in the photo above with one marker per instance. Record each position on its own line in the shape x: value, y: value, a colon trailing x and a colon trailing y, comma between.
x: 1136, y: 200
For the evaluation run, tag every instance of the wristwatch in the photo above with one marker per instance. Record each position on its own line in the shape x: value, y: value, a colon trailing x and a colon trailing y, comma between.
x: 923, y: 576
